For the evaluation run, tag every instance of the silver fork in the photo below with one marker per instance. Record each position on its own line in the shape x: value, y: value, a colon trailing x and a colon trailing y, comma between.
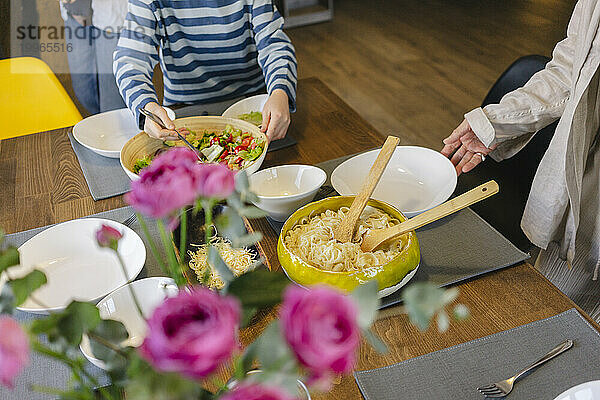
x: 130, y: 221
x: 502, y: 388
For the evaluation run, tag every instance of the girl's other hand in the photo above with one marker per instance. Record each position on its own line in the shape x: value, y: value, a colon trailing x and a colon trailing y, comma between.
x: 276, y: 115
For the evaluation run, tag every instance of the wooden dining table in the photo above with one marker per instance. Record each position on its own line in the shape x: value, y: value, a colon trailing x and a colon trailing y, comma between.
x: 41, y: 183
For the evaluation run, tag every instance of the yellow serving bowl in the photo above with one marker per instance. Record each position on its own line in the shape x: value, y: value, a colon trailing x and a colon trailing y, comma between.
x: 390, y: 276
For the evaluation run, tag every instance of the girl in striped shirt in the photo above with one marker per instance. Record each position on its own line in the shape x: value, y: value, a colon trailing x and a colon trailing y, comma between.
x: 209, y: 51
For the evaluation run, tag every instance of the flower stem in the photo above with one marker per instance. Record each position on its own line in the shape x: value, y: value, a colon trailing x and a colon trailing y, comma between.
x: 131, y: 291
x: 182, y: 234
x: 106, y: 343
x: 174, y: 266
x: 152, y: 245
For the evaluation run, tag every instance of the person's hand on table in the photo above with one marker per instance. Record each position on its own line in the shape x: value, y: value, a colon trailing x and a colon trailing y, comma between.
x: 276, y: 115
x: 464, y: 148
x: 153, y: 129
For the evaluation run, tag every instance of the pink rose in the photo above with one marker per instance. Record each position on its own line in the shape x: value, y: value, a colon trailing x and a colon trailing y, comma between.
x: 217, y: 181
x: 14, y: 350
x: 107, y: 236
x: 321, y: 327
x: 175, y: 179
x: 192, y: 333
x: 256, y: 392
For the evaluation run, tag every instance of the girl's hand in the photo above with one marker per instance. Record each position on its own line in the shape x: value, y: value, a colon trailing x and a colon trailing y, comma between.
x: 153, y: 129
x: 276, y: 115
x: 464, y: 148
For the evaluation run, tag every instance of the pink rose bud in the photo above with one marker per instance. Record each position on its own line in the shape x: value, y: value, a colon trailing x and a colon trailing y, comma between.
x: 107, y: 236
x: 217, y: 181
x: 321, y: 327
x: 192, y: 333
x: 14, y: 350
x: 256, y: 392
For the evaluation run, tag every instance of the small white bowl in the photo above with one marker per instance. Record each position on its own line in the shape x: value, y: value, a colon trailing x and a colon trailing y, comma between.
x: 247, y: 105
x: 119, y: 306
x: 284, y: 189
x: 415, y: 180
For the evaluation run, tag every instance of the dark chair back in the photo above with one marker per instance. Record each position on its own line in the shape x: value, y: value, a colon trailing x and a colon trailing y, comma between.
x: 514, y: 175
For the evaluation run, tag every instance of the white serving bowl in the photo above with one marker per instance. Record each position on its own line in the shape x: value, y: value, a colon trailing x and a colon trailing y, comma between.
x: 76, y: 267
x: 247, y: 105
x: 284, y: 189
x: 106, y: 133
x: 119, y: 306
x: 415, y: 180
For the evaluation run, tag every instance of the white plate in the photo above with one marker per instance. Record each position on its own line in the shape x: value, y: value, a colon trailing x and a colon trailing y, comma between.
x: 119, y: 306
x: 107, y: 132
x: 250, y: 104
x: 415, y: 180
x: 585, y: 391
x: 75, y: 266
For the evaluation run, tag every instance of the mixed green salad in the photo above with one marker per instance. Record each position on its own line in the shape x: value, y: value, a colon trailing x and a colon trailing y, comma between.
x: 230, y: 147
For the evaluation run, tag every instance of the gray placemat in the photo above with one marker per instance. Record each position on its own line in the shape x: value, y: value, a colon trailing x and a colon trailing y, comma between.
x: 456, y: 372
x: 456, y: 248
x: 104, y: 176
x: 41, y: 370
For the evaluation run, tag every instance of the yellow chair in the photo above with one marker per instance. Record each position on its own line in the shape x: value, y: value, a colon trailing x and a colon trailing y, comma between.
x: 32, y: 99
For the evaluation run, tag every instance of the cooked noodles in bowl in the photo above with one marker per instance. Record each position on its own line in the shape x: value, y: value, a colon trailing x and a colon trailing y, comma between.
x: 309, y: 255
x: 312, y: 240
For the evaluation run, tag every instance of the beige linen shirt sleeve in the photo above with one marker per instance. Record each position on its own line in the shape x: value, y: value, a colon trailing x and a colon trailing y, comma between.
x: 511, y: 123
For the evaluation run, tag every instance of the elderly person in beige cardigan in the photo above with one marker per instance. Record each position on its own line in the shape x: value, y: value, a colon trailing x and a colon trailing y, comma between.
x: 562, y: 215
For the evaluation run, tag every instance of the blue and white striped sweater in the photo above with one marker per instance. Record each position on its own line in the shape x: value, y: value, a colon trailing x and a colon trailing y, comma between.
x: 209, y: 50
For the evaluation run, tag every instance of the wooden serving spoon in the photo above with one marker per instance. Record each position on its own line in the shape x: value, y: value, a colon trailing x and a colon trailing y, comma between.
x: 375, y: 237
x: 345, y: 230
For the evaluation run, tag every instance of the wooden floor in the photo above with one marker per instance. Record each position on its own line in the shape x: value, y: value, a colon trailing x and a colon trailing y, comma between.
x: 414, y: 67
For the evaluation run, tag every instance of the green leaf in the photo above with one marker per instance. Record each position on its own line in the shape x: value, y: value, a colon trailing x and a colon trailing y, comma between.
x: 7, y: 300
x: 45, y: 325
x: 272, y: 352
x: 259, y: 288
x: 247, y: 314
x: 77, y: 319
x: 230, y: 225
x: 366, y: 299
x: 442, y: 321
x: 252, y: 212
x: 241, y: 181
x: 461, y: 312
x: 8, y: 258
x: 115, y: 333
x: 247, y: 240
x: 375, y: 341
x: 422, y: 301
x: 23, y: 287
x: 215, y: 260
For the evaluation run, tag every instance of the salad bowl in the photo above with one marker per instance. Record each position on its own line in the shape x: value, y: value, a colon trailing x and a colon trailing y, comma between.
x: 142, y: 145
